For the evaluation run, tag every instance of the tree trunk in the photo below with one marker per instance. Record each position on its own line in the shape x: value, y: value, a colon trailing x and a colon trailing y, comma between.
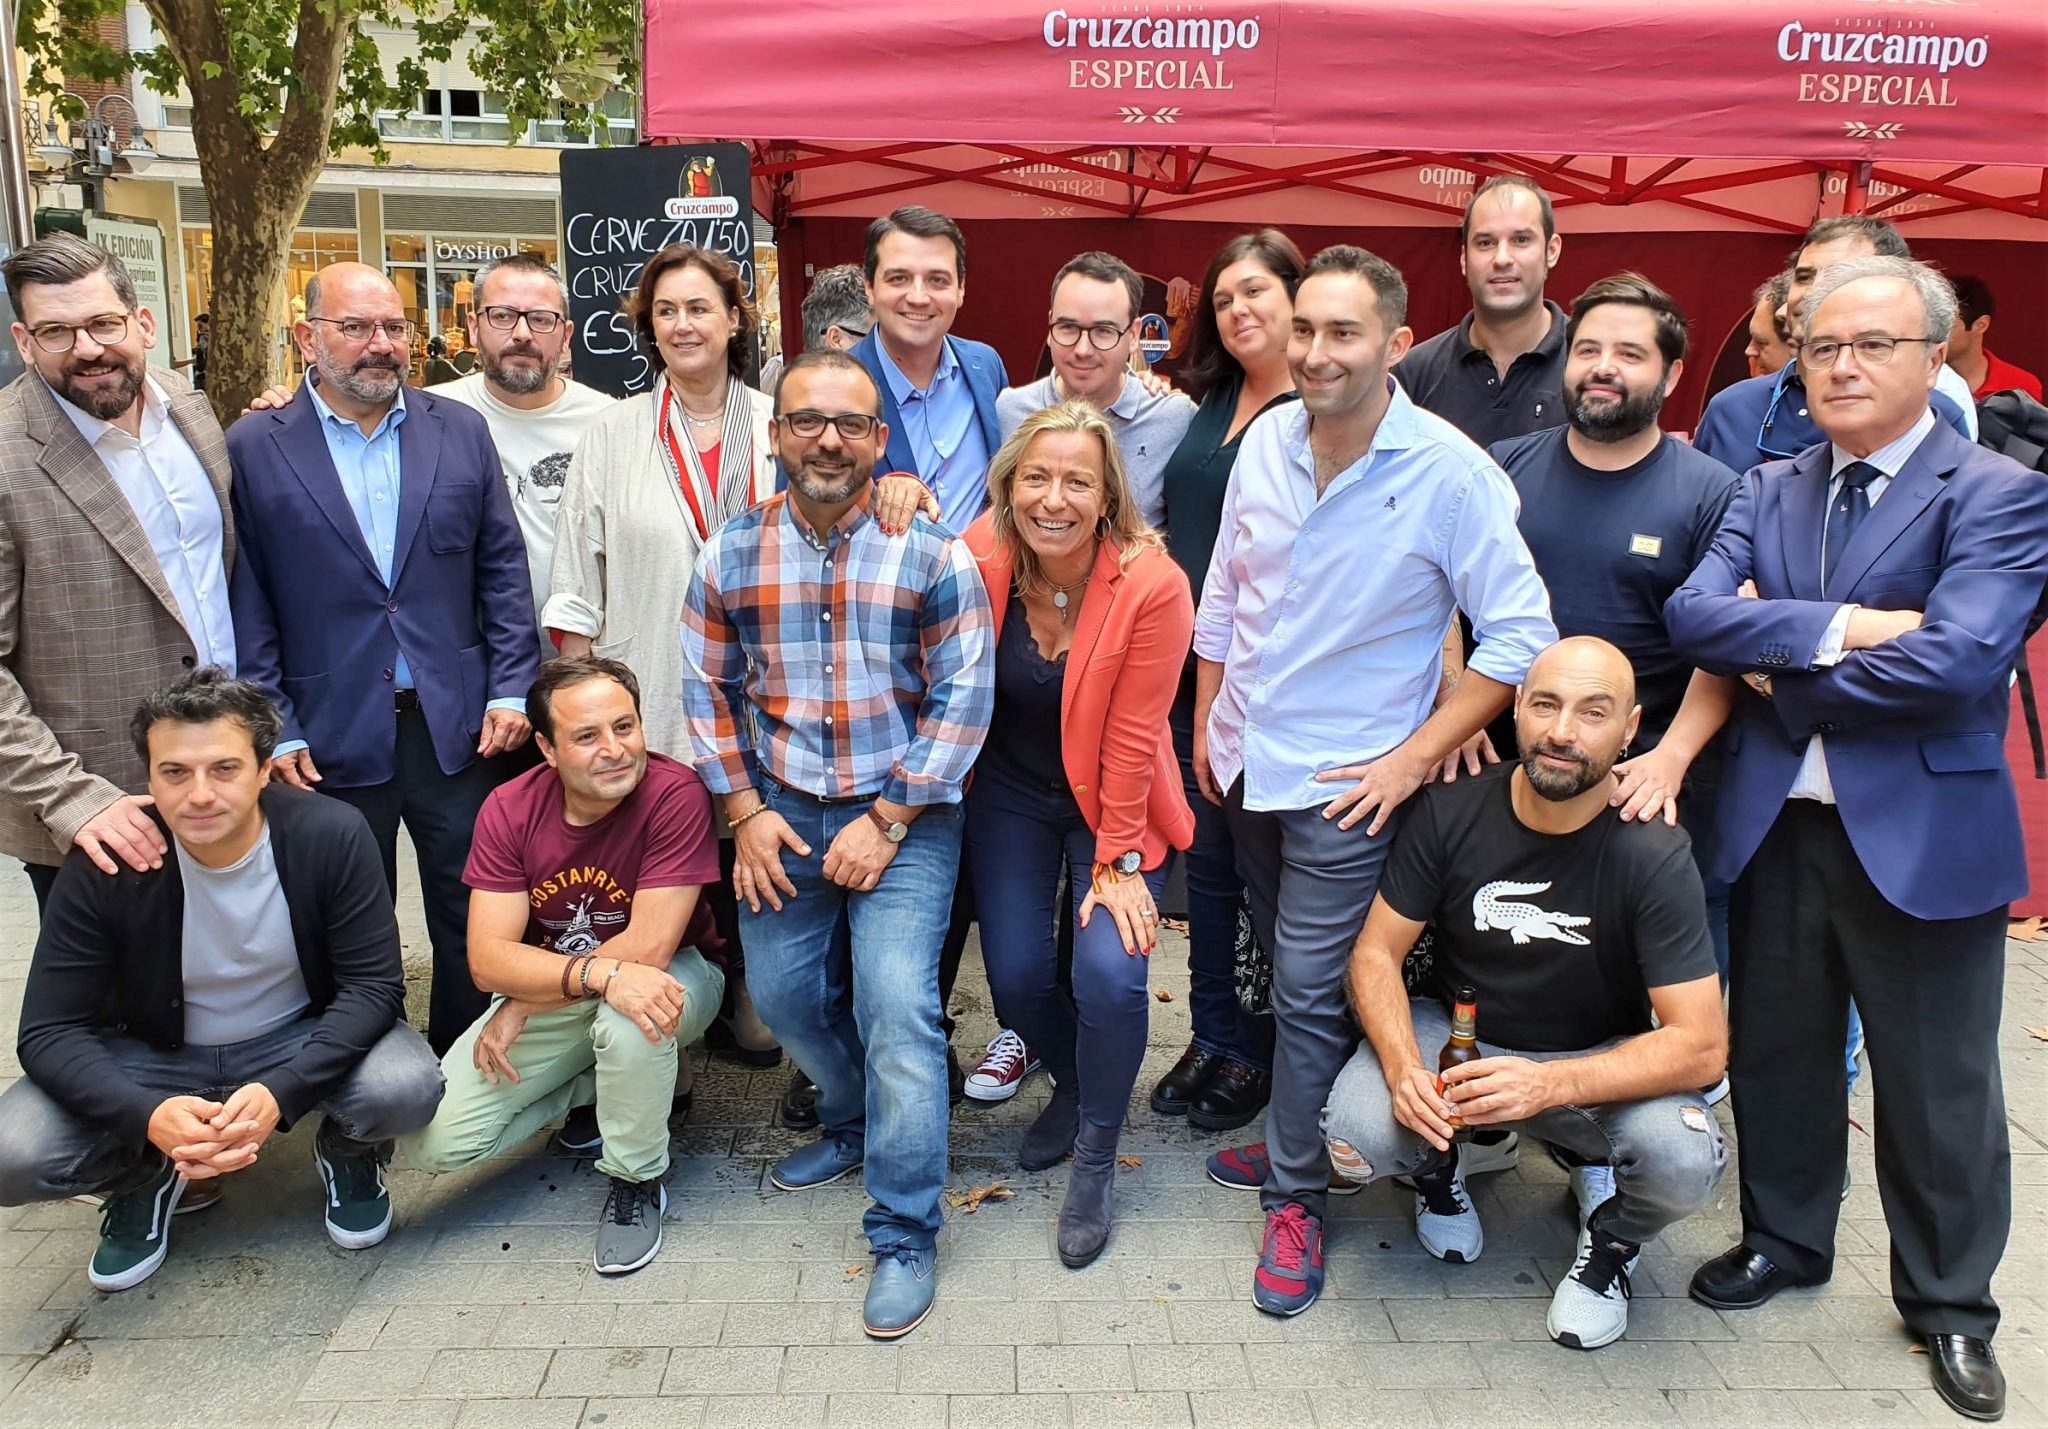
x: 252, y: 230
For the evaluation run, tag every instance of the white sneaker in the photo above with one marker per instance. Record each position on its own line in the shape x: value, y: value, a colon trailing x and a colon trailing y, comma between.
x: 1445, y: 1221
x: 1003, y: 1069
x: 1475, y: 1159
x: 1590, y: 1306
x: 1591, y: 1186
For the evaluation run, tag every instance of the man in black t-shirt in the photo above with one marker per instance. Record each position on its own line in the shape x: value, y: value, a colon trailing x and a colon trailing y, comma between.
x: 1585, y: 939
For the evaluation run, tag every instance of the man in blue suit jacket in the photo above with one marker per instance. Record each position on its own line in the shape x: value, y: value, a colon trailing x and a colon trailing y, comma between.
x: 382, y: 598
x: 938, y: 391
x: 1873, y: 593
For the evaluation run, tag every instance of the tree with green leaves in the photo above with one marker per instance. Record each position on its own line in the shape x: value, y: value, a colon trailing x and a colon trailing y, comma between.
x: 278, y: 85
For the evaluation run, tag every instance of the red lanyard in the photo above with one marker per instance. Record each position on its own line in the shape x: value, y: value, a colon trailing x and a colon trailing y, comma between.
x: 682, y: 470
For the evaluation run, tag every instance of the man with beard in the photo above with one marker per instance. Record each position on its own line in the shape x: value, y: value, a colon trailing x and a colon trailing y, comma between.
x: 380, y: 594
x: 520, y: 328
x: 584, y: 880
x: 843, y: 684
x: 1317, y: 669
x: 1617, y: 515
x: 115, y: 543
x: 1496, y: 374
x: 1568, y: 927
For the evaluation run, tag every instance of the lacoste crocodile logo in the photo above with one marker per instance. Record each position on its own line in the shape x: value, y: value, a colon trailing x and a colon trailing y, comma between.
x: 1523, y: 921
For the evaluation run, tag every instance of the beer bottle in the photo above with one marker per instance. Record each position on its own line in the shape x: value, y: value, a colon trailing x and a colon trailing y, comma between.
x: 1462, y: 1046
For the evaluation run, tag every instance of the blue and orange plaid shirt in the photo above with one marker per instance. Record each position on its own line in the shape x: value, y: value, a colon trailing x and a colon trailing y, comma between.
x: 862, y: 666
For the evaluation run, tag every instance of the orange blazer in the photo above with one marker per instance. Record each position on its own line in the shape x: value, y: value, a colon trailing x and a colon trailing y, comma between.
x: 1130, y: 644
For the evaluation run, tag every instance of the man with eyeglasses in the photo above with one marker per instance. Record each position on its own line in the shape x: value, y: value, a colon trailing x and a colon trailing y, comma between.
x: 380, y: 594
x: 537, y: 415
x: 1091, y: 332
x: 1872, y: 593
x: 841, y: 684
x: 1769, y: 417
x: 115, y: 542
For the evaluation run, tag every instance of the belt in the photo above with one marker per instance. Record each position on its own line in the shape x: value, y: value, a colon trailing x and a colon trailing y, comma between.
x: 405, y: 701
x: 821, y: 798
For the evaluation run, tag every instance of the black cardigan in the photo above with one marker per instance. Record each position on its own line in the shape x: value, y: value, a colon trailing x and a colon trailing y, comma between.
x: 110, y: 962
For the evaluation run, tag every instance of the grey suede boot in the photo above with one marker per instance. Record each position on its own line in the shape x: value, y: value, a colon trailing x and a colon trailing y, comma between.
x: 1086, y: 1215
x: 1051, y: 1136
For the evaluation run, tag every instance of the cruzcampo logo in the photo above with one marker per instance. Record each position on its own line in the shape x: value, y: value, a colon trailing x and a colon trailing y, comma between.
x: 1136, y: 50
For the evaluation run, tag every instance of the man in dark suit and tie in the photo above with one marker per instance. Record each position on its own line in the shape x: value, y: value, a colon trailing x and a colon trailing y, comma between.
x: 1873, y: 592
x: 382, y: 597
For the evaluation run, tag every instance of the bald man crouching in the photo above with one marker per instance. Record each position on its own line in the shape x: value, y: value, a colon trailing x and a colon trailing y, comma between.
x: 1572, y: 928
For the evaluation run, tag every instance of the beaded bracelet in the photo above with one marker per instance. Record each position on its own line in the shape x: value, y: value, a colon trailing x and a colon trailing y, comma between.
x: 760, y: 808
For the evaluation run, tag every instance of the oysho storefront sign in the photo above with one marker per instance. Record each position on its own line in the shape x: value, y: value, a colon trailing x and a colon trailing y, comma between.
x: 447, y: 252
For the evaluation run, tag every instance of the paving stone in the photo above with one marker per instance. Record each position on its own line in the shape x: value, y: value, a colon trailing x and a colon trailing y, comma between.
x: 1019, y: 1322
x: 367, y: 1374
x: 766, y: 1411
x: 551, y: 1326
x: 1191, y: 1368
x: 1732, y: 1408
x: 397, y: 1414
x: 1652, y: 1364
x: 1761, y: 1365
x: 438, y: 1327
x: 1374, y: 1409
x: 606, y: 1372
x: 955, y: 1369
x: 93, y: 1384
x: 1527, y: 1365
x: 724, y: 1372
x: 886, y: 1411
x: 1857, y: 1408
x: 1007, y: 1411
x: 1115, y: 1322
x: 1074, y: 1368
x: 521, y: 1414
x: 668, y: 1412
x: 674, y: 1325
x: 1115, y: 1410
x: 840, y: 1369
x: 1619, y: 1408
x: 1423, y: 1366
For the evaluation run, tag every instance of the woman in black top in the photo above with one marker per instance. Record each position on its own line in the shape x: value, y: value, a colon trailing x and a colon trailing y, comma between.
x: 1237, y: 369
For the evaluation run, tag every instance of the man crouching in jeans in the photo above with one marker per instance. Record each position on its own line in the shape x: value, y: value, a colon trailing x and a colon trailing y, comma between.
x: 1572, y: 926
x: 584, y: 877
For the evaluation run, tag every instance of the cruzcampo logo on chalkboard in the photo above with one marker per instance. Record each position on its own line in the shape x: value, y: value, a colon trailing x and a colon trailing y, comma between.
x: 703, y: 193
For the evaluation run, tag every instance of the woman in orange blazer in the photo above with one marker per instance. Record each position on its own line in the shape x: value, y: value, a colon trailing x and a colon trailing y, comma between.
x: 1092, y: 624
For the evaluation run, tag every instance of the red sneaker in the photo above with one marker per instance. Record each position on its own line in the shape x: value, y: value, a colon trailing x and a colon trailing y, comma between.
x: 1290, y: 1273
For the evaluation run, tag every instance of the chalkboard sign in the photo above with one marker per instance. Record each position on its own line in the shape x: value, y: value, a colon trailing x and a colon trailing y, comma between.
x: 620, y: 207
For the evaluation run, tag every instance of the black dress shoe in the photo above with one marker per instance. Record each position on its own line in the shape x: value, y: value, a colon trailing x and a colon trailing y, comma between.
x: 721, y: 1041
x: 1967, y: 1376
x: 1235, y: 1095
x: 1178, y: 1089
x: 1741, y: 1279
x: 798, y: 1109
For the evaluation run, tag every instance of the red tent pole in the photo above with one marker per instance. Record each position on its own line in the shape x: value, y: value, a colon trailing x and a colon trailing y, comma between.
x: 1857, y: 198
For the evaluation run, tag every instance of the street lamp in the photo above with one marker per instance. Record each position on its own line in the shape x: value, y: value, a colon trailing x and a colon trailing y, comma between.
x: 92, y: 165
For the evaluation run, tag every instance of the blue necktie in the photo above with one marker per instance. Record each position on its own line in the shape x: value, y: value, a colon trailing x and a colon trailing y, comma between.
x: 1845, y: 514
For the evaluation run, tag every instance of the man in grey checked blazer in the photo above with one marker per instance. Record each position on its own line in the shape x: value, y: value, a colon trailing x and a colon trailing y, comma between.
x: 115, y: 544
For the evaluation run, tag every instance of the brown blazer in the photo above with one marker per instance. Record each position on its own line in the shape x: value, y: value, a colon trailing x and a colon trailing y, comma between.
x: 87, y: 625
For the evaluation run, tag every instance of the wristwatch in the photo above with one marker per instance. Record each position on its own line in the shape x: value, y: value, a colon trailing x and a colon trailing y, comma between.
x: 1126, y: 864
x: 892, y: 830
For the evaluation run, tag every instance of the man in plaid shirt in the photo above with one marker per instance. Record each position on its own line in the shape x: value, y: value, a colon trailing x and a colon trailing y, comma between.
x: 843, y: 682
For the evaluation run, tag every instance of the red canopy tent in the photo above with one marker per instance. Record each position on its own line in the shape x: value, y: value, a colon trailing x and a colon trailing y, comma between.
x: 1690, y: 139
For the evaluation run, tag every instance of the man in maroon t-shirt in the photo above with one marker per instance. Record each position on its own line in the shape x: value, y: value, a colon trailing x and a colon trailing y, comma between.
x: 584, y: 877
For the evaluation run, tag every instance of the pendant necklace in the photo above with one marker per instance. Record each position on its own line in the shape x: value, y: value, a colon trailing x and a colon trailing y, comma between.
x: 1059, y: 596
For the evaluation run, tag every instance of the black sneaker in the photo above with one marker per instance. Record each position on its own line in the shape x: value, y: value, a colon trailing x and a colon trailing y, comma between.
x: 357, y: 1207
x: 579, y: 1135
x: 629, y: 1232
x: 798, y: 1109
x: 135, y: 1231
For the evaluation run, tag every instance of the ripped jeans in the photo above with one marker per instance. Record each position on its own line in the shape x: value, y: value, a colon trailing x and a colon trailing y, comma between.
x: 1667, y: 1152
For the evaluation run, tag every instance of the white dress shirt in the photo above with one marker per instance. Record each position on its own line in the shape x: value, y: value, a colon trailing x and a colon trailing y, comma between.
x: 1813, y: 781
x: 173, y: 500
x: 1328, y: 613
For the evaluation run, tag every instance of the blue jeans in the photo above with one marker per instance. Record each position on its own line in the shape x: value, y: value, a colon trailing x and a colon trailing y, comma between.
x: 1093, y: 1039
x: 875, y: 1049
x: 1214, y: 890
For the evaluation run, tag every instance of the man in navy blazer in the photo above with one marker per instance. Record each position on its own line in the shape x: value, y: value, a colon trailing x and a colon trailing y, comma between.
x: 1873, y: 593
x: 938, y: 391
x: 382, y: 598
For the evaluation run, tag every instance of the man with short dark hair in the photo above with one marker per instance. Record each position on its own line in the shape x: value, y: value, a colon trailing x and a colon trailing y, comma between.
x: 1873, y: 593
x: 1574, y: 927
x: 1984, y: 370
x: 1768, y: 417
x: 1317, y: 671
x: 584, y: 878
x: 1496, y: 374
x: 380, y: 594
x: 1091, y: 332
x: 176, y: 1017
x: 1770, y: 346
x: 115, y: 546
x: 938, y: 391
x: 842, y: 685
x: 537, y: 414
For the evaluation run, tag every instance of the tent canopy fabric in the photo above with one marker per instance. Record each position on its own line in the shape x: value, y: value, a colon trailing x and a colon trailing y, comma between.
x: 1683, y: 79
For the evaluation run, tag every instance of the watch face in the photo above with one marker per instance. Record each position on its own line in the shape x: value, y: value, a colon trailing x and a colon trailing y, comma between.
x: 896, y: 832
x: 1127, y: 863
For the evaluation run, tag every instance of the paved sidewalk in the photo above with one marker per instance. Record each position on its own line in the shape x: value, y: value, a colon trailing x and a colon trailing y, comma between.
x: 482, y: 1308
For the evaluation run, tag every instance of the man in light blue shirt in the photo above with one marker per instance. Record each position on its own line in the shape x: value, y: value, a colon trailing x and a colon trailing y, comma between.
x: 1355, y: 527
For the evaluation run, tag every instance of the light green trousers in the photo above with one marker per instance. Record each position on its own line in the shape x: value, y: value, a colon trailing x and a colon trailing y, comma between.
x: 570, y: 1057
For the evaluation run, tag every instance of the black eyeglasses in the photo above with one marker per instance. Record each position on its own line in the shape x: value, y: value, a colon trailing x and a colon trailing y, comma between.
x: 106, y: 330
x: 1102, y: 336
x: 398, y: 331
x: 854, y: 426
x: 1870, y: 351
x: 539, y: 321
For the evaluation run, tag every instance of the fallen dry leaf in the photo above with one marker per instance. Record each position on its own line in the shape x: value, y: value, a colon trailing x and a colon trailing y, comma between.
x: 2038, y: 1033
x: 853, y: 1270
x: 1178, y: 925
x: 2027, y: 930
x: 1162, y: 994
x: 1129, y: 1161
x: 968, y: 1202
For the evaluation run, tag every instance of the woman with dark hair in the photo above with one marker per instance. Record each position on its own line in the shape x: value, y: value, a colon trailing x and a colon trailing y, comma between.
x: 1237, y: 369
x: 1091, y: 617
